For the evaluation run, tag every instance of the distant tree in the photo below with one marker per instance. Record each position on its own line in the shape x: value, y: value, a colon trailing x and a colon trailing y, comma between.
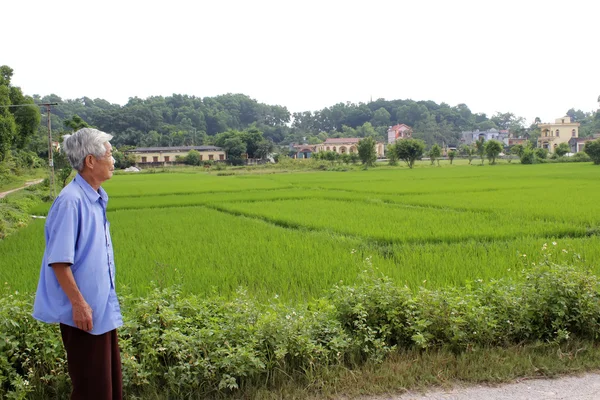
x: 253, y: 138
x: 381, y: 117
x: 592, y: 149
x: 480, y: 148
x: 451, y: 155
x: 232, y: 142
x: 517, y: 150
x: 123, y: 160
x: 434, y: 153
x: 192, y: 158
x: 367, y: 152
x: 392, y: 155
x: 75, y: 123
x: 467, y: 151
x: 263, y: 149
x: 410, y: 150
x: 17, y: 124
x: 562, y: 149
x: 492, y: 149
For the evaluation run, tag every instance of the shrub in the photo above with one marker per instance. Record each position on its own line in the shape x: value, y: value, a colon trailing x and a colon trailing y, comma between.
x: 540, y: 153
x: 592, y: 149
x: 527, y: 156
x: 185, y: 345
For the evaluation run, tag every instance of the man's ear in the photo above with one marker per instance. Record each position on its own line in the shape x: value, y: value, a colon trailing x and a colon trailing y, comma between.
x: 89, y: 161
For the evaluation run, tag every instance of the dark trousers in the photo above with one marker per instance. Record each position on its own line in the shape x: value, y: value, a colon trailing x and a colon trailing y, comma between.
x: 94, y: 364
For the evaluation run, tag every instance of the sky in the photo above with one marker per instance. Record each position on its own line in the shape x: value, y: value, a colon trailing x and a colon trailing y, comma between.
x: 532, y: 58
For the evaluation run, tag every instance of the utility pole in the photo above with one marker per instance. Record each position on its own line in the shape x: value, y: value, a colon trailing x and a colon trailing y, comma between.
x: 50, y: 159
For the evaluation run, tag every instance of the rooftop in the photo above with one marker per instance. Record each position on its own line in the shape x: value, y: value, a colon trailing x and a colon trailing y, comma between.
x: 174, y: 148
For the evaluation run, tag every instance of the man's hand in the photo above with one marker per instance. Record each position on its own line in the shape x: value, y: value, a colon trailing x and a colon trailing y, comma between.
x: 82, y: 312
x: 82, y: 316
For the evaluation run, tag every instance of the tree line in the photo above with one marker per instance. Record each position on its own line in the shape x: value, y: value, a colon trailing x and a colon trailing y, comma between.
x: 178, y: 120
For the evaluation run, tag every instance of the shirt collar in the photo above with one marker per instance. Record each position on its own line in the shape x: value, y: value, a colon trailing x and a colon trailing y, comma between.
x: 89, y: 191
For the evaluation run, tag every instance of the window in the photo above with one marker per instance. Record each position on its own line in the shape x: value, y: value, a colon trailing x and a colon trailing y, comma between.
x: 557, y: 133
x: 334, y: 149
x: 221, y: 157
x: 573, y: 133
x: 328, y: 148
x: 144, y: 159
x: 211, y: 157
x: 201, y: 157
x: 155, y: 159
x: 166, y: 158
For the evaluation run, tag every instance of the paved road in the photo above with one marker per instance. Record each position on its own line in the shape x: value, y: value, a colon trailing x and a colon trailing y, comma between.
x: 583, y: 387
x: 3, y: 194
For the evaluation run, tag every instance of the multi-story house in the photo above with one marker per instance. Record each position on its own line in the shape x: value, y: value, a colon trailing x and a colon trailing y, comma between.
x: 561, y: 131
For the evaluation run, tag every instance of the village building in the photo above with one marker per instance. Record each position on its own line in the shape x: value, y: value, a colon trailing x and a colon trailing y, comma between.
x: 470, y: 137
x: 577, y: 144
x: 161, y: 156
x: 347, y: 145
x: 301, y: 151
x: 399, y: 131
x: 561, y: 131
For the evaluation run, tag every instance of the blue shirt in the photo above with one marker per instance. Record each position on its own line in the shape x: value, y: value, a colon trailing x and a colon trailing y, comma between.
x: 77, y: 233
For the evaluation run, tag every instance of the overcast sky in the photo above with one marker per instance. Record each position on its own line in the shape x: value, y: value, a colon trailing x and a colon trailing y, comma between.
x: 529, y: 57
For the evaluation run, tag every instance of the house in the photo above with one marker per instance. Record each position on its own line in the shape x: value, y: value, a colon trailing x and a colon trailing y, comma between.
x: 346, y: 145
x: 155, y: 156
x: 577, y: 144
x: 301, y: 151
x: 469, y: 137
x: 514, y: 141
x: 561, y: 131
x: 399, y: 131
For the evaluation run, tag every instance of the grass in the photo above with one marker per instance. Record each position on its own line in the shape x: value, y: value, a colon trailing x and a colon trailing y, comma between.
x: 17, y: 181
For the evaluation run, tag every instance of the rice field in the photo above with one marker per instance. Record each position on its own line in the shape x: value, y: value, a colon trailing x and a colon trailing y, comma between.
x: 295, y: 235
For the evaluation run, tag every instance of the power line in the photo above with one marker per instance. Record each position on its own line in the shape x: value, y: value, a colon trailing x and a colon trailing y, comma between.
x: 50, y: 158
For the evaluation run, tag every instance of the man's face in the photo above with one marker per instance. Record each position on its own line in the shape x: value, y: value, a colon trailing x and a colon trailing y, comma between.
x: 105, y: 165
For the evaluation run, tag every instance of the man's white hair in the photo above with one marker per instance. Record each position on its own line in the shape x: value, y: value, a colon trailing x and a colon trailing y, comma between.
x: 84, y: 142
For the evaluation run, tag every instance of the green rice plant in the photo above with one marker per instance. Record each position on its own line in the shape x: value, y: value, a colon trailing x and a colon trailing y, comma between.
x: 397, y: 222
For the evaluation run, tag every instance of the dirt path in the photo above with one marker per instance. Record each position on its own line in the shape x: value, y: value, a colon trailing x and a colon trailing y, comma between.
x: 583, y: 387
x: 4, y: 194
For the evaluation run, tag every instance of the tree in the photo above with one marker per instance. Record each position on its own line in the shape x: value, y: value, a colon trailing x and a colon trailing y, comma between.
x: 592, y: 149
x: 381, y: 117
x: 434, y: 153
x: 252, y: 137
x: 17, y: 124
x: 492, y: 149
x: 392, y: 155
x: 232, y: 142
x: 75, y: 123
x: 367, y: 152
x: 480, y: 148
x: 192, y: 158
x: 451, y: 155
x: 263, y: 149
x: 517, y: 150
x: 562, y: 149
x: 468, y: 151
x: 410, y: 150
